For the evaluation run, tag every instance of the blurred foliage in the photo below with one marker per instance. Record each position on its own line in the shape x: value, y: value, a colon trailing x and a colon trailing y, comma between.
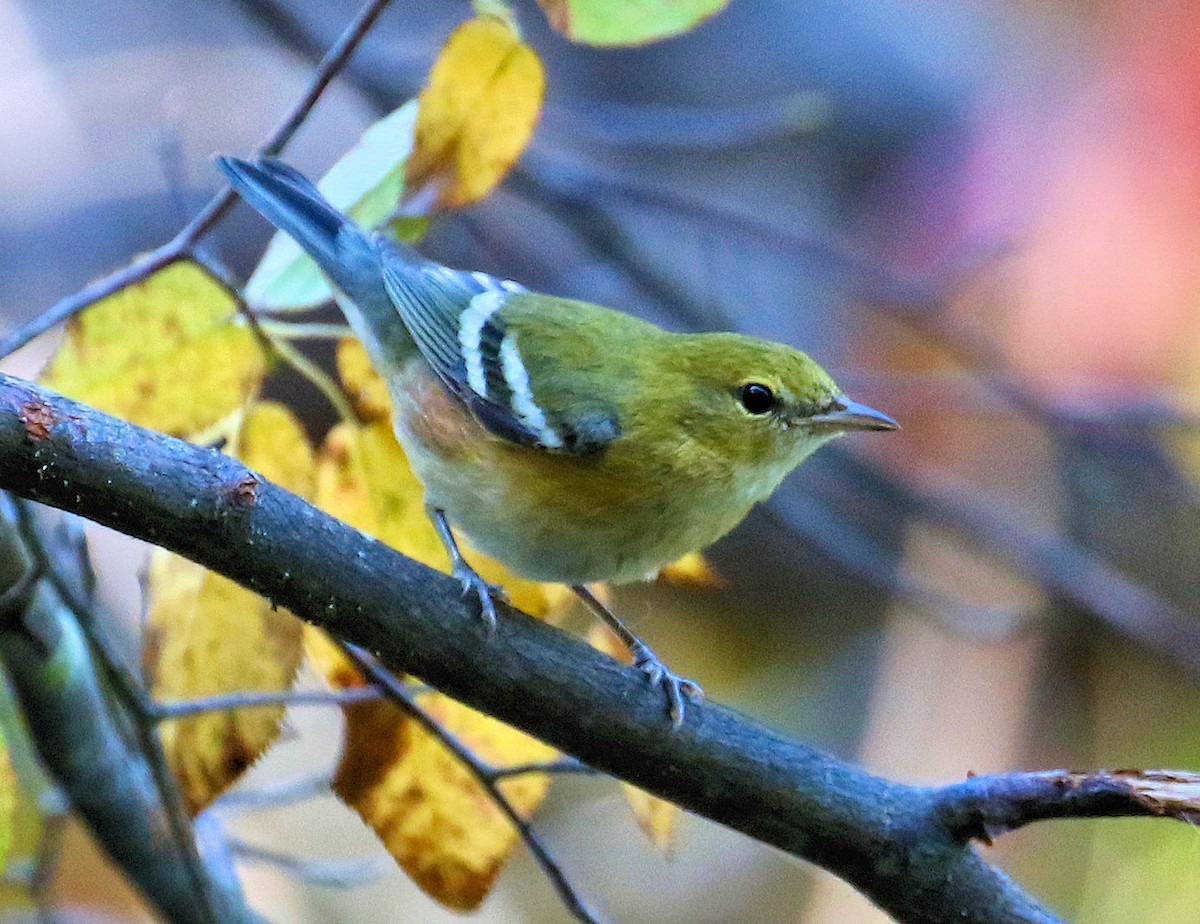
x: 983, y: 217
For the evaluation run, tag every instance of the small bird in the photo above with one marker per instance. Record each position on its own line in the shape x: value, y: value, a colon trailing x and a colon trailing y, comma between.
x: 571, y: 442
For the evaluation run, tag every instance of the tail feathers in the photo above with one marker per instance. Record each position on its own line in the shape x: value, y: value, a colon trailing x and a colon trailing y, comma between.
x: 291, y: 202
x: 347, y: 254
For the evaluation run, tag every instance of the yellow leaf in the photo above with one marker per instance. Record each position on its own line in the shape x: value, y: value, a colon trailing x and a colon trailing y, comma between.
x: 656, y: 817
x: 207, y: 635
x: 693, y: 570
x: 476, y: 114
x: 627, y: 22
x: 425, y: 805
x: 366, y: 390
x: 163, y: 353
x: 429, y: 811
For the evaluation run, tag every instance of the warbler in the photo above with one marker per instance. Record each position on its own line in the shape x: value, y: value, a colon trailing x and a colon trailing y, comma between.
x: 571, y: 442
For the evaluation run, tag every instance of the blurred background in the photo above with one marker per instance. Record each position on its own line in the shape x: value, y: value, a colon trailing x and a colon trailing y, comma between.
x: 982, y: 216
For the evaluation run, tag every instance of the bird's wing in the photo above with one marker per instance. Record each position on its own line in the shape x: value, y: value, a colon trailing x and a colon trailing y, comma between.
x: 458, y: 322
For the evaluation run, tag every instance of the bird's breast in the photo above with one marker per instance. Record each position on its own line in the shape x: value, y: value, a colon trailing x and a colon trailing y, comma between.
x: 616, y: 515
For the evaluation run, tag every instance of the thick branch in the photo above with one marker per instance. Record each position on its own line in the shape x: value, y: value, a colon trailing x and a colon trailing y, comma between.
x: 81, y: 739
x: 894, y: 842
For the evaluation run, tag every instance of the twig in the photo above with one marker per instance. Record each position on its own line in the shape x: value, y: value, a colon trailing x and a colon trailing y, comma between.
x: 132, y: 697
x: 295, y: 330
x: 562, y: 765
x: 246, y: 699
x: 333, y: 874
x: 273, y: 795
x: 182, y: 244
x: 985, y: 807
x: 316, y: 376
x: 399, y: 694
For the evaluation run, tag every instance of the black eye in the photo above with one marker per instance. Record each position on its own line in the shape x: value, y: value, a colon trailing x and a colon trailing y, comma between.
x: 757, y: 398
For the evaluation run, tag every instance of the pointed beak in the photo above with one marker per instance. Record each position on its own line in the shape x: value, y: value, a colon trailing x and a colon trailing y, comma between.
x: 845, y: 414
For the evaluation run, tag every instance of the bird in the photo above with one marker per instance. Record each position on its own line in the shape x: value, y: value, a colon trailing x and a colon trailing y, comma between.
x: 574, y: 443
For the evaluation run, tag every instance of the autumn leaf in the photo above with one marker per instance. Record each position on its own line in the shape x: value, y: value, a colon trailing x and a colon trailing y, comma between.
x: 207, y: 635
x: 433, y: 816
x: 366, y: 184
x: 477, y: 113
x: 656, y: 817
x: 627, y: 22
x: 694, y: 571
x: 163, y: 353
x: 430, y: 812
x: 366, y: 389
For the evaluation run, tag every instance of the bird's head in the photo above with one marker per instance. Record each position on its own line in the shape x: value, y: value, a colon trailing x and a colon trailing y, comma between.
x: 764, y: 404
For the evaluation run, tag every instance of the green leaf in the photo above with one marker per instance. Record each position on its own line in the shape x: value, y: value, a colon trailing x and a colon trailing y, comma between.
x: 367, y: 184
x: 627, y: 22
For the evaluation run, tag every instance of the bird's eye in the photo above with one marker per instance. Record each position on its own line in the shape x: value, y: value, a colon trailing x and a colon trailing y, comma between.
x: 757, y: 398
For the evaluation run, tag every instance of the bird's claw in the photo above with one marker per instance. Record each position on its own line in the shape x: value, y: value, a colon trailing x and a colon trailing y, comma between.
x: 487, y: 593
x: 677, y: 689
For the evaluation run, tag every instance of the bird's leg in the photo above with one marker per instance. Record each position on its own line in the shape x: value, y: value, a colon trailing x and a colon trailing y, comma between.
x: 467, y: 576
x: 676, y: 688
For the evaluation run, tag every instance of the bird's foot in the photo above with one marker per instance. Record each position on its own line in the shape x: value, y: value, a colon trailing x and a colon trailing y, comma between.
x: 677, y: 689
x: 487, y: 593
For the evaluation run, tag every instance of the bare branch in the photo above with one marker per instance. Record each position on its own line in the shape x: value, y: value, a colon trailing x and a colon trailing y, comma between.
x: 273, y: 795
x: 563, y: 765
x: 877, y: 834
x: 245, y: 699
x: 332, y: 874
x: 81, y: 736
x: 985, y: 807
x: 182, y: 244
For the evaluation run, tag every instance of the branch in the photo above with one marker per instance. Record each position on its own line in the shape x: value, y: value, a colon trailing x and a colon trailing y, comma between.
x: 81, y: 738
x: 884, y: 837
x: 245, y: 699
x: 183, y: 243
x: 985, y: 807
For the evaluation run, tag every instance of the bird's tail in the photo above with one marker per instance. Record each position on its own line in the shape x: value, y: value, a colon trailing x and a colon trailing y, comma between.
x: 291, y: 202
x: 344, y: 251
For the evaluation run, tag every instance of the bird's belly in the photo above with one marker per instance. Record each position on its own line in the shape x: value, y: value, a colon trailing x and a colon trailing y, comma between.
x: 573, y: 537
x: 570, y: 519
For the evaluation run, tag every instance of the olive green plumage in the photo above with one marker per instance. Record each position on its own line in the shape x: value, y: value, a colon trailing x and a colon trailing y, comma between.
x: 573, y: 443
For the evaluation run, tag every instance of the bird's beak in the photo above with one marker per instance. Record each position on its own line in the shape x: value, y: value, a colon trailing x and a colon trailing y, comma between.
x: 844, y: 414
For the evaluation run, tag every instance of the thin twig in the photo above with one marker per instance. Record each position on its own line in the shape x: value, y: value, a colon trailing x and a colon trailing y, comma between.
x: 399, y: 694
x: 562, y: 765
x: 182, y: 244
x: 316, y: 376
x: 332, y: 874
x: 246, y: 699
x: 273, y: 795
x: 295, y: 330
